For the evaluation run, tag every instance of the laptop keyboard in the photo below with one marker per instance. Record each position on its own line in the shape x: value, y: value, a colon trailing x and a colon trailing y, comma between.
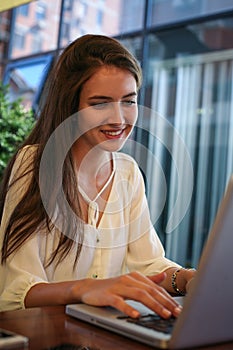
x: 153, y: 321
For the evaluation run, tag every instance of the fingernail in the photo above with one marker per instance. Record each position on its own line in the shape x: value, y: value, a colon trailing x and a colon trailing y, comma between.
x: 135, y: 314
x: 166, y: 313
x: 178, y: 310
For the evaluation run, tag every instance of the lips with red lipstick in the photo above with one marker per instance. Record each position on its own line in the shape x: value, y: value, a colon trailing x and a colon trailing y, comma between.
x: 114, y: 133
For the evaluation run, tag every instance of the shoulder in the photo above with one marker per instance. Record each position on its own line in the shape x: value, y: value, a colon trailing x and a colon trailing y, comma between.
x: 127, y: 167
x: 128, y: 172
x: 125, y: 162
x: 27, y: 151
x: 24, y: 160
x: 124, y: 158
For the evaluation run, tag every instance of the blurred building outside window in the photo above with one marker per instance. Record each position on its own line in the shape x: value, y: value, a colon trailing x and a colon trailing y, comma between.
x: 185, y: 49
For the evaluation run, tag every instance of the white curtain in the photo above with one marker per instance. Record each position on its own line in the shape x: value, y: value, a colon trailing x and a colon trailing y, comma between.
x: 195, y: 95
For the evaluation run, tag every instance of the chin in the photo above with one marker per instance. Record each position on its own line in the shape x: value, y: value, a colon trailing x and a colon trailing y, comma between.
x: 113, y: 145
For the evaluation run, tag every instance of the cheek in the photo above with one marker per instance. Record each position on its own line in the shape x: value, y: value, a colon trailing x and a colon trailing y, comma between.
x: 131, y: 116
x: 89, y: 119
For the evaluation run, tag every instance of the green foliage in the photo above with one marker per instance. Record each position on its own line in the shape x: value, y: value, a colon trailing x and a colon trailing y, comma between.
x: 15, y: 125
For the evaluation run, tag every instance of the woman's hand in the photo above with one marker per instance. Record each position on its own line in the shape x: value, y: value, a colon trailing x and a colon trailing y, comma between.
x: 183, y: 279
x: 135, y: 286
x: 189, y: 275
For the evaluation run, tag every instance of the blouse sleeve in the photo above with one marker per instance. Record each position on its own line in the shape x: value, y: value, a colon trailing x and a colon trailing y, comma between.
x: 145, y: 250
x: 23, y: 268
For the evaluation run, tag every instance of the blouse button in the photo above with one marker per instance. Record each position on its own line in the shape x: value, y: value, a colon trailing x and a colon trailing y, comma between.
x: 94, y: 275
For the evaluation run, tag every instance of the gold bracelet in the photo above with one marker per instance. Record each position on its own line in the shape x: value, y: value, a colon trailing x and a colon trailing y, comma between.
x: 174, y: 285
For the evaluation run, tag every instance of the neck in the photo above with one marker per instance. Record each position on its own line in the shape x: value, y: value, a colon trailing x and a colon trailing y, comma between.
x: 93, y: 168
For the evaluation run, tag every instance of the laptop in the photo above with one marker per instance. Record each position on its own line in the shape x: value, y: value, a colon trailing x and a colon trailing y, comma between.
x: 207, y: 315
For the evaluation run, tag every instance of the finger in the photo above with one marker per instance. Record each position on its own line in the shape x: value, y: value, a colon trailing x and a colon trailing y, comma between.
x: 154, y: 297
x: 140, y: 281
x: 161, y: 302
x: 120, y: 304
x: 189, y: 284
x: 160, y: 277
x: 158, y: 292
x: 140, y: 288
x: 141, y: 295
x: 150, y: 280
x: 111, y: 299
x: 164, y: 298
x: 191, y: 273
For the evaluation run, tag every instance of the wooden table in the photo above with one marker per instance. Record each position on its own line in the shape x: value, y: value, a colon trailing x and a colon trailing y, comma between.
x: 49, y: 327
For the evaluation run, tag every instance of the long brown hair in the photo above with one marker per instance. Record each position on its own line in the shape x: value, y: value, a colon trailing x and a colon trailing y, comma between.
x: 77, y: 63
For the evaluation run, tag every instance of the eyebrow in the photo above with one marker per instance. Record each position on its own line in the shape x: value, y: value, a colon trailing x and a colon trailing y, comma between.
x: 102, y: 97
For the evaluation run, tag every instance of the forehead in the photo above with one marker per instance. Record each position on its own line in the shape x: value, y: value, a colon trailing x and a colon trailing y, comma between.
x: 110, y: 78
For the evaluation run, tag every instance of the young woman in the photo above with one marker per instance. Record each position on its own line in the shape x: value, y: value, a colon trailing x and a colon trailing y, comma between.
x: 75, y: 224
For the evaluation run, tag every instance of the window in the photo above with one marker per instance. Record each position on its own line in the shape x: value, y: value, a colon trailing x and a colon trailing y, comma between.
x: 41, y: 11
x: 188, y: 88
x: 37, y: 42
x: 42, y: 20
x: 65, y: 34
x: 68, y: 5
x: 132, y: 14
x: 99, y: 17
x: 23, y: 10
x: 19, y: 40
x: 168, y: 11
x: 107, y: 17
x: 26, y: 79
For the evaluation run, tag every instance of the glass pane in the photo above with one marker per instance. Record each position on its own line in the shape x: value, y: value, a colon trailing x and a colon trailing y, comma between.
x: 168, y: 11
x: 4, y: 37
x: 132, y: 15
x: 192, y: 39
x: 134, y: 45
x: 213, y: 6
x: 35, y: 28
x: 188, y: 82
x: 100, y: 17
x: 26, y: 79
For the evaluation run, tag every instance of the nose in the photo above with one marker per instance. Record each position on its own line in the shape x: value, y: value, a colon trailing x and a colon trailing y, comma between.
x: 116, y: 115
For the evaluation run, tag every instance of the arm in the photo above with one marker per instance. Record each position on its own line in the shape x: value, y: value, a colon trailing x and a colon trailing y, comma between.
x: 107, y: 292
x: 25, y: 283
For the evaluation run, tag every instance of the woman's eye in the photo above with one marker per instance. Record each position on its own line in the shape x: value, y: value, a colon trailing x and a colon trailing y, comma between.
x: 102, y: 105
x: 129, y: 102
x: 99, y: 105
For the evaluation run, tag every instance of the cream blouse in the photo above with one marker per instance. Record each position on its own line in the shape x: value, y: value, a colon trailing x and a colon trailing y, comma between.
x: 124, y: 241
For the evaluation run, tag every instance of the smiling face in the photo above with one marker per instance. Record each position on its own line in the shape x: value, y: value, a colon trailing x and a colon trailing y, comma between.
x: 107, y: 109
